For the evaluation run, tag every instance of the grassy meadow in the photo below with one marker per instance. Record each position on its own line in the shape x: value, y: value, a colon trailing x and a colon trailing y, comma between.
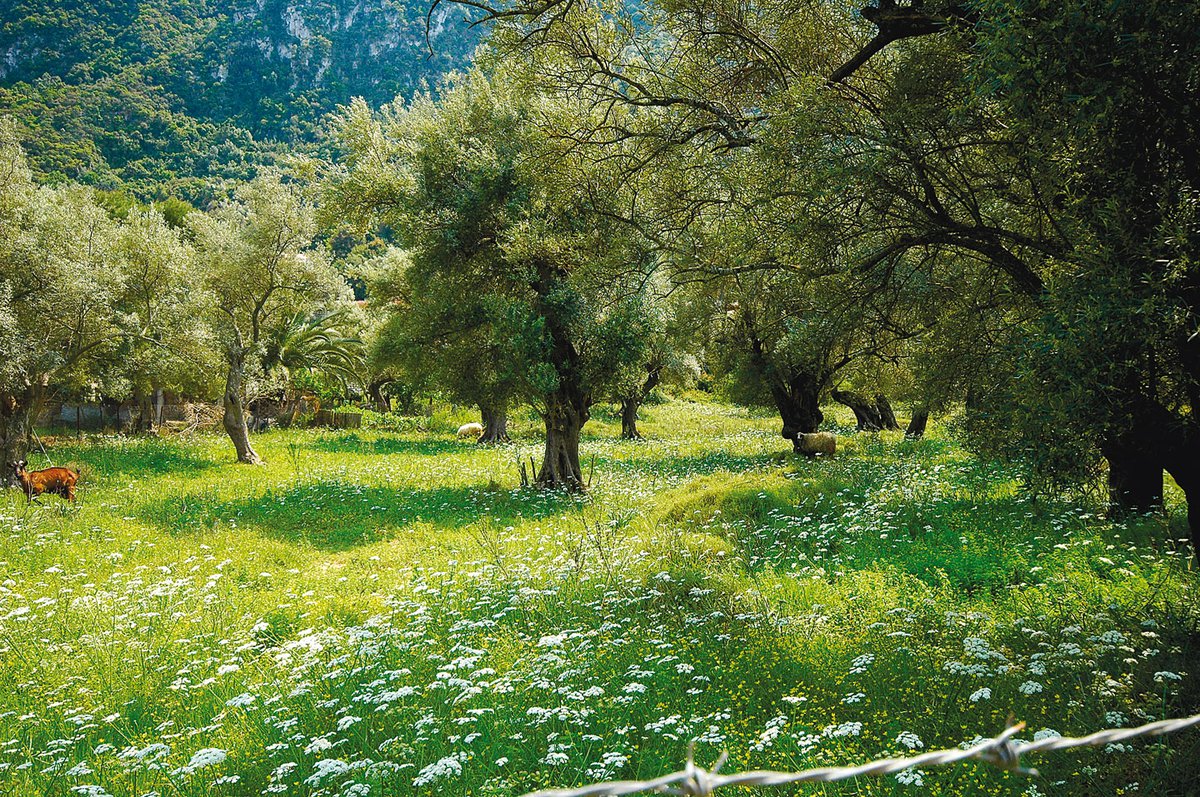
x: 384, y: 612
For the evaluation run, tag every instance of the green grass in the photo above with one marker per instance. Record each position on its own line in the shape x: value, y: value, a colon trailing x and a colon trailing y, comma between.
x: 383, y: 612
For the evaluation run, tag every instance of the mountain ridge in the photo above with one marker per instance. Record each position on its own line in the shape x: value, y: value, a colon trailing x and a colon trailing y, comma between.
x: 169, y: 97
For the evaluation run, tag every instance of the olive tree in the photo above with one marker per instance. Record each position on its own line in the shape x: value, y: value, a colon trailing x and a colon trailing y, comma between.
x: 1114, y: 354
x: 976, y: 141
x: 261, y: 267
x: 89, y: 302
x: 434, y: 334
x: 667, y: 357
x: 59, y: 290
x: 162, y: 304
x: 511, y: 265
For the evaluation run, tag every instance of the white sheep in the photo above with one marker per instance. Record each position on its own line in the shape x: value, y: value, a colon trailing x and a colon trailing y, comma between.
x: 470, y: 430
x: 816, y: 443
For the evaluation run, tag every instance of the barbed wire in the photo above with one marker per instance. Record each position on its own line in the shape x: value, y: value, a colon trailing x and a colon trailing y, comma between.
x: 1002, y: 751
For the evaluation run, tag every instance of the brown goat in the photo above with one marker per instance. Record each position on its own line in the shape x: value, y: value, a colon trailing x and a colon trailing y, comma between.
x: 56, y: 481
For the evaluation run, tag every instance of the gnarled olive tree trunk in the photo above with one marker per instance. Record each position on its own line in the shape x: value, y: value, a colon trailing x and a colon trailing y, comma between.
x: 235, y: 411
x: 1135, y: 480
x: 17, y: 411
x: 375, y: 391
x: 887, y: 416
x: 799, y: 404
x: 797, y: 395
x: 631, y: 403
x: 495, y: 423
x: 917, y: 424
x: 1155, y: 440
x: 865, y: 412
x: 629, y: 418
x: 568, y: 407
x: 1187, y: 476
x: 567, y: 410
x: 147, y: 412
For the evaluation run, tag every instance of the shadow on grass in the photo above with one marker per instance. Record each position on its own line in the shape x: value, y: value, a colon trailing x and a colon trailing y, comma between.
x: 353, y: 444
x: 337, y: 516
x: 692, y: 465
x: 130, y: 456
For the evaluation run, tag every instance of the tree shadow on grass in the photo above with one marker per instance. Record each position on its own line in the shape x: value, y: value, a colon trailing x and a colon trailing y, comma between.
x: 337, y: 516
x: 353, y: 444
x: 131, y: 456
x: 705, y: 464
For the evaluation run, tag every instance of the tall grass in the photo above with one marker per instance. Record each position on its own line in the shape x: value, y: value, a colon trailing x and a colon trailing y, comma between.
x: 383, y: 612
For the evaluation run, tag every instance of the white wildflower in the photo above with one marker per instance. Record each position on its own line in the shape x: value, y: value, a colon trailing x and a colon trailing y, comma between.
x: 325, y: 768
x: 442, y: 769
x: 845, y: 729
x: 90, y: 791
x: 206, y: 757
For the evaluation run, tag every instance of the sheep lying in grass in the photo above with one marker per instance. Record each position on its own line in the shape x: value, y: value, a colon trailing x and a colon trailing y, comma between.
x: 470, y: 430
x: 824, y: 443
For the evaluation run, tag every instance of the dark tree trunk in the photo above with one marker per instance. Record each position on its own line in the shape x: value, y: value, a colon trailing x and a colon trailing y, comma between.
x: 1189, y: 482
x: 566, y: 413
x: 629, y: 417
x: 16, y: 421
x: 145, y: 417
x: 916, y: 426
x: 886, y: 416
x: 1183, y: 463
x: 1156, y: 439
x: 375, y: 391
x: 235, y: 413
x: 158, y: 407
x: 797, y: 396
x: 1184, y: 466
x: 567, y: 408
x: 632, y: 403
x: 865, y: 412
x: 495, y: 424
x: 114, y: 416
x: 972, y: 402
x: 799, y: 407
x: 1135, y: 481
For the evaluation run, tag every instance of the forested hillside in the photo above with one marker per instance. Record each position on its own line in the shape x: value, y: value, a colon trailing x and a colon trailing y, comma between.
x: 157, y: 98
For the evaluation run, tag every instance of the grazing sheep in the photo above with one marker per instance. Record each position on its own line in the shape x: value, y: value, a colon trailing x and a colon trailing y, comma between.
x: 470, y: 430
x: 815, y: 443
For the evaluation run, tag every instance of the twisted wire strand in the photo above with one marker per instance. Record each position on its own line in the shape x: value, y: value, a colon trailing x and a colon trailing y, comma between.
x: 1002, y: 751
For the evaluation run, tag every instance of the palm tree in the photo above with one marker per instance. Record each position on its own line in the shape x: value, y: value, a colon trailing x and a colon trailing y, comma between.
x: 318, y: 344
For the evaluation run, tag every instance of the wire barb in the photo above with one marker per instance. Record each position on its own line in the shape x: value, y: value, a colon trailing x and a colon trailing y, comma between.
x: 1003, y: 751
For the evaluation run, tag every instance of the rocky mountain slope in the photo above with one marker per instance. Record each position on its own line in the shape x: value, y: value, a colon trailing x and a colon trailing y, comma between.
x: 161, y: 97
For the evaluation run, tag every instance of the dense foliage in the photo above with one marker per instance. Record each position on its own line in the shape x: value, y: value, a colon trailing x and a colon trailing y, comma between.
x: 1024, y: 164
x: 514, y: 290
x: 985, y: 210
x: 162, y: 98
